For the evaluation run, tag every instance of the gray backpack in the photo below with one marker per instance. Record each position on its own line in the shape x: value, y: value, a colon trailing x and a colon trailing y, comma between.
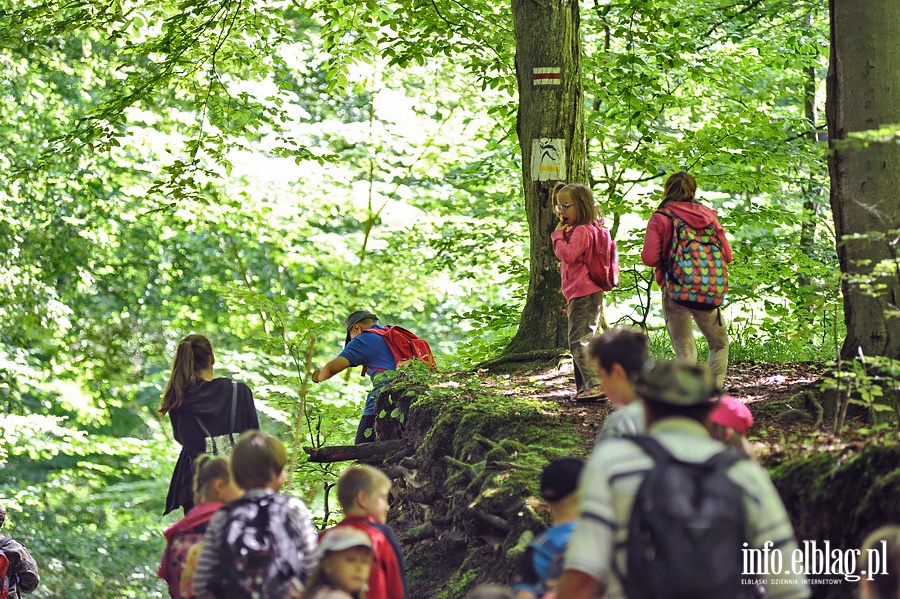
x: 686, y: 530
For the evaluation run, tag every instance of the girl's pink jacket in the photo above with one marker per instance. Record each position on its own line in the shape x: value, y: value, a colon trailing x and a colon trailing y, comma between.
x: 571, y: 248
x: 658, y: 239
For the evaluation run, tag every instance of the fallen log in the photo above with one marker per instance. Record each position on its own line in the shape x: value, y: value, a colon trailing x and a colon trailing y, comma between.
x: 348, y: 453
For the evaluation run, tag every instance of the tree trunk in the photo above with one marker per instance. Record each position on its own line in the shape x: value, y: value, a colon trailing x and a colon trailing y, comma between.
x: 550, y: 127
x: 364, y: 452
x: 864, y: 94
x: 811, y: 190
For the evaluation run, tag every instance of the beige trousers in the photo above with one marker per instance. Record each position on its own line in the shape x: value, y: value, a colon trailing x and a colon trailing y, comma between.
x: 679, y: 324
x: 584, y: 319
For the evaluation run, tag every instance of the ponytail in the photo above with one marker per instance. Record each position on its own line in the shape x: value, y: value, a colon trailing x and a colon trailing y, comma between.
x: 194, y: 354
x: 207, y: 470
x: 679, y: 187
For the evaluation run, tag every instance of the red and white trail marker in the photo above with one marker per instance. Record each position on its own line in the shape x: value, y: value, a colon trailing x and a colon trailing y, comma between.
x: 546, y: 76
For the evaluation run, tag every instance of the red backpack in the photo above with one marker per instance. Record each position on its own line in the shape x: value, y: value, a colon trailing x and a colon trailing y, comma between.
x: 603, y: 258
x: 4, y: 569
x: 404, y: 345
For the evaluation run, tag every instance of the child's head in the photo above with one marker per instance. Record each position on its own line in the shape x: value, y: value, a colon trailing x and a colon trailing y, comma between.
x: 258, y: 460
x: 679, y: 187
x: 212, y: 480
x: 619, y: 355
x: 559, y: 486
x: 490, y: 591
x: 730, y: 416
x: 193, y: 355
x: 574, y: 204
x: 883, y: 579
x: 345, y: 557
x: 363, y: 490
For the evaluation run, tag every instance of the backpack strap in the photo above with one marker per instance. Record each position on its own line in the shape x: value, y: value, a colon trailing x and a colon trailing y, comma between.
x: 231, y: 425
x: 724, y: 460
x: 653, y: 448
x: 381, y: 333
x: 206, y: 433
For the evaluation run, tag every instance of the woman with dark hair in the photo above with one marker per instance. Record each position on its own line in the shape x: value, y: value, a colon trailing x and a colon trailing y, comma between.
x: 681, y: 221
x: 207, y: 413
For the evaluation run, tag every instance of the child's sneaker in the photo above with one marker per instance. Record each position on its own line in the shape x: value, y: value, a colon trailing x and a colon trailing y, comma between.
x: 595, y: 393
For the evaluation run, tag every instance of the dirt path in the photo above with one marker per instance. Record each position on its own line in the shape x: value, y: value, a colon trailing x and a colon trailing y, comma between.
x: 767, y: 389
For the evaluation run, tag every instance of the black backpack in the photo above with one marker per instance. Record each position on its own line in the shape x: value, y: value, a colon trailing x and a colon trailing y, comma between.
x: 686, y: 530
x: 260, y: 556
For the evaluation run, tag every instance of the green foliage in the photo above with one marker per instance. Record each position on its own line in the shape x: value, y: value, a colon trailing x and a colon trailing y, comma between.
x: 867, y: 381
x: 256, y: 171
x: 877, y: 279
x: 86, y: 504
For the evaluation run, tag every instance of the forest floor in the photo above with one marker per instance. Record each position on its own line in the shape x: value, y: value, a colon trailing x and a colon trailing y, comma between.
x: 783, y: 418
x: 465, y: 497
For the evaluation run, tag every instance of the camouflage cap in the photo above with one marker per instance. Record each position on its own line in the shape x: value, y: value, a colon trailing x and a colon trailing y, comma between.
x: 676, y: 384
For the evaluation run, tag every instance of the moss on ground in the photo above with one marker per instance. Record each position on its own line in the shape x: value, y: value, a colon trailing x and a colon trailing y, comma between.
x: 469, y: 494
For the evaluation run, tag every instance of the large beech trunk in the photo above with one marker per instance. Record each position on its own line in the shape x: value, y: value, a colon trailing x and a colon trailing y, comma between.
x: 550, y: 127
x: 863, y: 95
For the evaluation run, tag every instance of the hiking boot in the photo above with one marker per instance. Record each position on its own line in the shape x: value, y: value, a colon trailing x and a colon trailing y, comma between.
x: 591, y: 395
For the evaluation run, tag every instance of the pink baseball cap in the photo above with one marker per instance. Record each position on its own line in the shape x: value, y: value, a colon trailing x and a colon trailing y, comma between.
x: 732, y: 413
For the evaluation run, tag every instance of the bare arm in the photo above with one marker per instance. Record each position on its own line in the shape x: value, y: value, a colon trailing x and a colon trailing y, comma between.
x: 578, y: 585
x: 329, y: 370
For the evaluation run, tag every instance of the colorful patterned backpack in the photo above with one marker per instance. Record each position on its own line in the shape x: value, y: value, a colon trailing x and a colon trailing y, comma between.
x: 695, y: 269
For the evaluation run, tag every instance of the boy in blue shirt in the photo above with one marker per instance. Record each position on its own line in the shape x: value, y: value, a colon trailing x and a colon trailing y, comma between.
x: 368, y: 350
x: 541, y: 564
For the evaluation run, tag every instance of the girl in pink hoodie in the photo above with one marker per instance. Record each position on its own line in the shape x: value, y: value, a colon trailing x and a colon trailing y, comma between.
x: 213, y: 488
x: 574, y: 205
x: 679, y: 197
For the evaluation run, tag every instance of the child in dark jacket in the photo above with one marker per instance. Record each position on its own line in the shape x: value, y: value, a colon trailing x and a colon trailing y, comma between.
x: 207, y: 413
x: 22, y: 573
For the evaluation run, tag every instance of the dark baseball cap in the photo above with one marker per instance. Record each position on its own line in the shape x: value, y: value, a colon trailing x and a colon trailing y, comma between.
x: 356, y: 318
x: 560, y: 478
x: 676, y: 384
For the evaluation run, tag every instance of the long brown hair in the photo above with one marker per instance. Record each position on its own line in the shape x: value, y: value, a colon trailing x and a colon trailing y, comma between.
x: 588, y: 212
x: 679, y: 187
x: 194, y: 354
